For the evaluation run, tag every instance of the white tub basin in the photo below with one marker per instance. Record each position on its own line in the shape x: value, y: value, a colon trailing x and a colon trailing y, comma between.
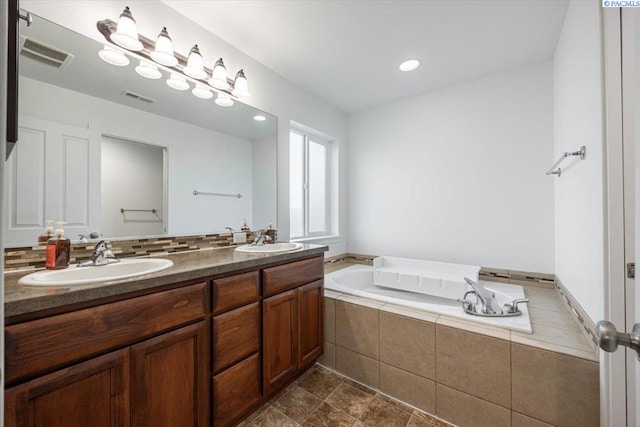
x: 74, y: 275
x: 270, y: 248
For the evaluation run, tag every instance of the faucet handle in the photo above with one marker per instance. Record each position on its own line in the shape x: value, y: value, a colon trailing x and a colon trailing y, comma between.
x: 512, y: 307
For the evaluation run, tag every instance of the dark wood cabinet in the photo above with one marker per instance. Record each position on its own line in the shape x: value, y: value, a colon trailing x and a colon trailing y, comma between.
x: 236, y: 390
x: 310, y: 341
x: 169, y: 379
x: 236, y: 335
x: 93, y: 393
x: 280, y: 339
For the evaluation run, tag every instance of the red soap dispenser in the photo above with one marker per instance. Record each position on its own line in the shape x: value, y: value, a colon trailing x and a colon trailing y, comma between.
x: 58, y: 252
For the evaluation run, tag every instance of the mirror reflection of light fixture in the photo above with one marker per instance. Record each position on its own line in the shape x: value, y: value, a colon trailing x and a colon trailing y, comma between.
x: 148, y: 70
x: 177, y: 82
x: 113, y: 56
x: 163, y: 53
x: 224, y: 100
x: 202, y: 92
x: 126, y: 34
x: 259, y: 118
x: 240, y: 86
x: 195, y: 64
x: 219, y: 76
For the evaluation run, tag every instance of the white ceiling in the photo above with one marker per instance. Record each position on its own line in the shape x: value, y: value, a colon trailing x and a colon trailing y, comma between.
x: 348, y: 52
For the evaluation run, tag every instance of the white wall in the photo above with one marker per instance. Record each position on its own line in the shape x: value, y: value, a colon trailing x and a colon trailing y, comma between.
x: 579, y: 244
x: 458, y: 175
x: 270, y: 91
x: 194, y: 154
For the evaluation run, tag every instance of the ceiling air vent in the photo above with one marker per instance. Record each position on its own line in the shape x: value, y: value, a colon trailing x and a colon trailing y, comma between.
x: 44, y: 53
x: 138, y: 97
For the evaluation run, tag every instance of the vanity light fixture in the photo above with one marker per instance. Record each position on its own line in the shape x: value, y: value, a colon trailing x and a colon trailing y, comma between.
x: 113, y: 56
x: 259, y: 118
x: 202, y: 92
x: 148, y: 70
x: 177, y: 82
x: 163, y: 53
x: 126, y: 34
x: 240, y: 86
x: 409, y: 65
x: 219, y: 76
x: 224, y: 100
x: 195, y: 64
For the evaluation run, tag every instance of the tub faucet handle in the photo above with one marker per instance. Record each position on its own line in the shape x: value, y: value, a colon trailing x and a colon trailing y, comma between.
x: 512, y: 307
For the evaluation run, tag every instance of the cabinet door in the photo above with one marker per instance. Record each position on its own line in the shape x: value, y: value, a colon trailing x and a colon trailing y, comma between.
x: 169, y: 376
x: 280, y: 332
x: 310, y: 342
x: 235, y: 390
x: 94, y: 393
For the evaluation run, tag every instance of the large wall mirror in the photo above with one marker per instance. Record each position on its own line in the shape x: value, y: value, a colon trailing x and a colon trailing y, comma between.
x: 111, y: 152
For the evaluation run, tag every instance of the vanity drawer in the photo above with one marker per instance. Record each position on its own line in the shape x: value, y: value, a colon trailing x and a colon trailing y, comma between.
x: 44, y: 344
x: 236, y: 390
x: 236, y: 335
x: 288, y: 276
x: 234, y: 291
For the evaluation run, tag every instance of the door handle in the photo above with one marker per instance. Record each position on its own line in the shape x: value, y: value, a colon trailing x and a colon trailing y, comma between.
x: 609, y: 338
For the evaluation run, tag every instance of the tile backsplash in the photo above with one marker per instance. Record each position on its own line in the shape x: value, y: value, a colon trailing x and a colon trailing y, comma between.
x: 33, y: 257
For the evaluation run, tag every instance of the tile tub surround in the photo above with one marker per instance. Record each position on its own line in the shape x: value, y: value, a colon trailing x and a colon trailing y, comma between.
x: 322, y: 397
x: 32, y: 257
x: 464, y: 372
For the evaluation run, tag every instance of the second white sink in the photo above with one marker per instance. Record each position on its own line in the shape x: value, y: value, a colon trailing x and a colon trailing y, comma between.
x: 73, y: 275
x: 270, y: 248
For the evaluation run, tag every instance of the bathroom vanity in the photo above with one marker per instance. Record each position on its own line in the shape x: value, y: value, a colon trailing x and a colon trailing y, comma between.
x: 202, y: 343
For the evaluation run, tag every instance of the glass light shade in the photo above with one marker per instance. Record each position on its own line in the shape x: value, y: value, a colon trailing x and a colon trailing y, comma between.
x: 409, y: 65
x: 219, y: 76
x: 177, y: 82
x: 259, y: 118
x: 163, y: 53
x: 126, y: 34
x: 113, y: 56
x: 195, y: 64
x: 202, y: 92
x: 240, y: 86
x: 148, y: 70
x: 224, y: 100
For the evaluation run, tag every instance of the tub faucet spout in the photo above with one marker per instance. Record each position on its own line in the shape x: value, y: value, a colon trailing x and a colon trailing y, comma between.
x: 487, y: 298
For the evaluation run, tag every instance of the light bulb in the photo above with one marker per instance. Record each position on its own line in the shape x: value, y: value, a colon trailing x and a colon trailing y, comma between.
x: 259, y: 118
x: 126, y: 34
x: 195, y: 64
x: 113, y: 56
x: 224, y: 100
x: 219, y: 76
x: 202, y: 92
x: 409, y: 65
x: 163, y: 53
x: 149, y: 71
x: 240, y: 86
x: 177, y: 82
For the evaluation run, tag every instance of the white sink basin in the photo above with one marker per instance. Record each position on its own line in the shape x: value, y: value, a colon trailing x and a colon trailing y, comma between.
x: 74, y: 275
x: 270, y: 248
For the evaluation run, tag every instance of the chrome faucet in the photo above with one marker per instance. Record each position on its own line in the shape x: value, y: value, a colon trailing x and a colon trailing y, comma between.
x: 489, y: 306
x: 101, y: 256
x: 260, y: 238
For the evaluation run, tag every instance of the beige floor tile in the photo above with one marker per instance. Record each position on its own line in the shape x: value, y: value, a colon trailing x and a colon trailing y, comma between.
x: 357, y: 328
x: 359, y: 386
x: 381, y: 413
x: 519, y: 420
x: 350, y: 400
x: 321, y: 383
x: 410, y: 388
x: 297, y: 404
x: 408, y: 344
x: 329, y: 330
x: 328, y: 416
x: 475, y: 364
x: 328, y: 358
x: 465, y: 410
x: 360, y: 368
x: 429, y: 418
x: 272, y: 417
x: 419, y: 422
x: 394, y: 402
x: 557, y: 389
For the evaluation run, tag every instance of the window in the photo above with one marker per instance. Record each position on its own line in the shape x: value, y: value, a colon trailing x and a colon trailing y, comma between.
x: 309, y: 185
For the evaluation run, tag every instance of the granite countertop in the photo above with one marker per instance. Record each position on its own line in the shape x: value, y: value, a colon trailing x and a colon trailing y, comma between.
x: 187, y: 266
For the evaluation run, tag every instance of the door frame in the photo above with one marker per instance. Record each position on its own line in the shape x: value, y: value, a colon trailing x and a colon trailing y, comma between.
x: 612, y: 365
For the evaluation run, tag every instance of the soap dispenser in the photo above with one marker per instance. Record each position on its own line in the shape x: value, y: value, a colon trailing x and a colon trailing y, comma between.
x: 48, y: 233
x: 271, y: 232
x: 58, y: 252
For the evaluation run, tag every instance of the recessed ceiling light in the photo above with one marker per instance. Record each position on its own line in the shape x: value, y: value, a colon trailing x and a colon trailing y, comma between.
x: 259, y: 118
x: 409, y: 65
